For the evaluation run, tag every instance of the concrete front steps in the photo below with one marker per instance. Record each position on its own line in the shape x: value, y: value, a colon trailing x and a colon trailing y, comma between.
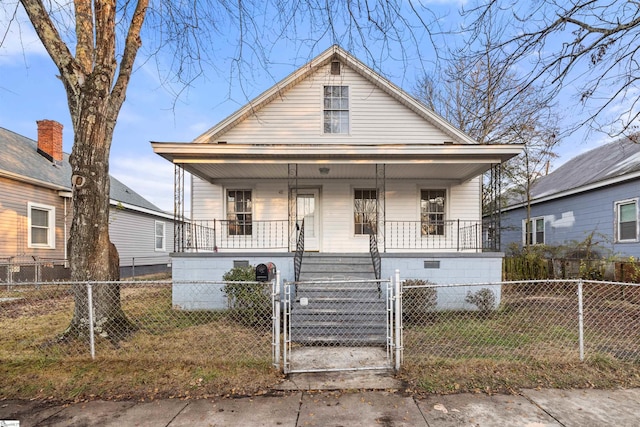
x: 334, y: 304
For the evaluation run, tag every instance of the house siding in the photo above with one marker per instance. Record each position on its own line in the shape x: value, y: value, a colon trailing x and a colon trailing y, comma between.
x: 573, y: 218
x: 296, y: 117
x: 402, y: 201
x: 14, y: 198
x: 133, y: 233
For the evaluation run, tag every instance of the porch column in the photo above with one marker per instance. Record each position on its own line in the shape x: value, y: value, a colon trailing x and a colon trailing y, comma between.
x: 493, y: 207
x: 381, y: 203
x: 293, y: 204
x: 178, y: 209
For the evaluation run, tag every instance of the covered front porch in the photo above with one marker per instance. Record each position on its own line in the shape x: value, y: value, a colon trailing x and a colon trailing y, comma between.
x: 336, y: 197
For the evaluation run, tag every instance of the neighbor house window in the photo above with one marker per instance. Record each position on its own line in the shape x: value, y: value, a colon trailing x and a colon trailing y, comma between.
x: 239, y: 215
x: 533, y: 231
x: 160, y: 236
x: 432, y: 217
x: 627, y: 220
x: 336, y: 109
x: 365, y: 211
x: 42, y: 230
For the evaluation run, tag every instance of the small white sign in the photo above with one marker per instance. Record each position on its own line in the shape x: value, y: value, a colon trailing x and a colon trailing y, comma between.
x: 304, y: 301
x: 9, y: 423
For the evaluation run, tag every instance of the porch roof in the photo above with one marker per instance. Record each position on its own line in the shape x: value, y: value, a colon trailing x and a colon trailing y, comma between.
x: 213, y: 162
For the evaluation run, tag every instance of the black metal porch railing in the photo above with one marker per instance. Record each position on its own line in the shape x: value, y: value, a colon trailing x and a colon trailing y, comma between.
x: 458, y: 235
x: 297, y: 260
x: 375, y: 255
x: 213, y: 235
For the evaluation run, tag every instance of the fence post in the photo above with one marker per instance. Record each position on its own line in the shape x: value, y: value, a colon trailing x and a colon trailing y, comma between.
x: 580, y: 321
x: 398, y: 321
x: 91, y: 332
x: 133, y: 267
x: 275, y: 298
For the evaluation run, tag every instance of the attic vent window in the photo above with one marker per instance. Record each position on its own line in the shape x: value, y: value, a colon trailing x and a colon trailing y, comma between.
x: 335, y: 68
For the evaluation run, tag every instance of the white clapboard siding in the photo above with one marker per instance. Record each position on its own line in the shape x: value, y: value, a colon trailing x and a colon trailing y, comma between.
x: 270, y: 202
x: 206, y: 200
x: 296, y: 117
x: 465, y: 201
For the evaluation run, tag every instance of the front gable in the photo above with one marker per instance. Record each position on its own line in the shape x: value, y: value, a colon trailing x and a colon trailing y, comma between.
x: 296, y: 116
x: 379, y: 111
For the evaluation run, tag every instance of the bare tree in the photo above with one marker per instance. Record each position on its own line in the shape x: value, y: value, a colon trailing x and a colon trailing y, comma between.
x: 479, y: 93
x: 589, y: 48
x: 94, y: 45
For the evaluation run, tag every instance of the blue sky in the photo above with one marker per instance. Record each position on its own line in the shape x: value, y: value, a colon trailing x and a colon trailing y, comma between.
x: 30, y: 91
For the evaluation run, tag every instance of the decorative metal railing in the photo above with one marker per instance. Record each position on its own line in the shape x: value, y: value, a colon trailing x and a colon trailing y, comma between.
x: 458, y: 235
x: 213, y: 235
x: 297, y: 260
x: 375, y: 255
x: 453, y: 235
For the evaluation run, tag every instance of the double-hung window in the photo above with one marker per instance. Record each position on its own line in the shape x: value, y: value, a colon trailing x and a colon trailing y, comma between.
x: 239, y: 212
x: 42, y: 230
x: 336, y: 109
x: 432, y: 215
x: 160, y: 236
x: 627, y: 221
x: 533, y: 231
x: 365, y: 211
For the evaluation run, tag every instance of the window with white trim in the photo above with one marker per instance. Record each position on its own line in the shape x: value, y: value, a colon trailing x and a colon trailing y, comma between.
x: 627, y: 221
x: 432, y: 215
x: 533, y: 231
x: 365, y: 211
x: 42, y: 226
x: 336, y: 109
x: 160, y: 235
x: 239, y: 212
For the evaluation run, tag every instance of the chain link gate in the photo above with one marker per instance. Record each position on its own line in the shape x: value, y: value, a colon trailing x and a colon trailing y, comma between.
x: 339, y: 325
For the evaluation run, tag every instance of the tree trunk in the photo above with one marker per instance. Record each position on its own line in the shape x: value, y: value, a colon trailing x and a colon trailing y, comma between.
x: 92, y: 255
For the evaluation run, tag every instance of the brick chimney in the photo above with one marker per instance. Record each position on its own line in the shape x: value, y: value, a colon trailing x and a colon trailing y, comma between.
x: 50, y: 139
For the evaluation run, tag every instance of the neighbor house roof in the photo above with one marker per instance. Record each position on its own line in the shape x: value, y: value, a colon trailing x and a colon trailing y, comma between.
x: 20, y: 160
x: 612, y: 163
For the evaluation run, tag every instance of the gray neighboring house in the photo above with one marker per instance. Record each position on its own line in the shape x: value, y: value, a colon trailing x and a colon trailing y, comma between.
x: 595, y: 192
x: 36, y: 210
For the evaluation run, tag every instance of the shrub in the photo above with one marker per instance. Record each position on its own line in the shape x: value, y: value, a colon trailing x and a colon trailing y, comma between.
x: 249, y: 301
x: 418, y: 304
x: 484, y: 300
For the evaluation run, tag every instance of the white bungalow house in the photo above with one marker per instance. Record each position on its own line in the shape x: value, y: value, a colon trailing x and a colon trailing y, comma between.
x: 335, y: 172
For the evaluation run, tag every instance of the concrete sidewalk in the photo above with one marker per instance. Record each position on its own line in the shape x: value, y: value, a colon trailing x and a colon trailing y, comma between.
x: 334, y: 408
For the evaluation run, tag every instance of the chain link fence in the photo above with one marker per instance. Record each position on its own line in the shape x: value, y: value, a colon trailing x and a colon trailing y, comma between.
x: 159, y: 320
x: 552, y: 321
x: 18, y: 270
x: 547, y: 321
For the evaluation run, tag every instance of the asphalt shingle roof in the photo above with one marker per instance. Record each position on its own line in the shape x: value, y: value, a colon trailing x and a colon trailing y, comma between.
x: 19, y: 156
x: 612, y: 160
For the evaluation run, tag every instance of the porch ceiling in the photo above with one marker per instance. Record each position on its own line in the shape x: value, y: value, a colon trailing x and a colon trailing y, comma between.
x: 214, y: 162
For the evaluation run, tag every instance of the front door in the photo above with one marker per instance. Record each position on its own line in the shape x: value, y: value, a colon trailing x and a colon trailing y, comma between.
x: 308, y: 207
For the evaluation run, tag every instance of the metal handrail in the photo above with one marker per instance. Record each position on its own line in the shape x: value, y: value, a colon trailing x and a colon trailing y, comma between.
x: 375, y: 256
x: 297, y: 260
